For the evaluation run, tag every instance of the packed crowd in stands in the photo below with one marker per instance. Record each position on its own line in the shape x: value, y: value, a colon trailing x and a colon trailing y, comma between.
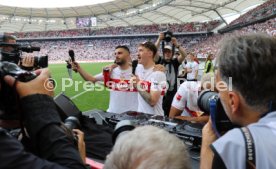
x: 96, y: 49
x: 209, y: 45
x: 102, y: 49
x: 140, y: 29
x: 146, y: 29
x: 60, y: 33
x: 266, y: 9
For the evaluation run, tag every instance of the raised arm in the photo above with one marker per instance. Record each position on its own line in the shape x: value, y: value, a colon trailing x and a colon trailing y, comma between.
x: 182, y: 52
x: 85, y: 75
x: 157, y: 44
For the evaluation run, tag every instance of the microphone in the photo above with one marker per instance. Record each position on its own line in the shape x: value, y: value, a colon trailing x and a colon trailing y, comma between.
x: 72, y: 55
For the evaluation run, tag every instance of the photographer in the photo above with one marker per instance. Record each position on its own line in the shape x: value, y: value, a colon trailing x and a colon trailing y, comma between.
x: 248, y: 60
x: 147, y: 147
x: 42, y: 122
x: 10, y: 40
x: 171, y: 64
x: 26, y: 62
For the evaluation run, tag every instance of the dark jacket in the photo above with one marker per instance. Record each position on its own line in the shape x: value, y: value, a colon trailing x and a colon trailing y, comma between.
x: 55, y: 149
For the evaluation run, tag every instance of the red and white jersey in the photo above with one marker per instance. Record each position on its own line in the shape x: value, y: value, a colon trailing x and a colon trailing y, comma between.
x: 121, y: 98
x: 186, y: 99
x: 151, y: 80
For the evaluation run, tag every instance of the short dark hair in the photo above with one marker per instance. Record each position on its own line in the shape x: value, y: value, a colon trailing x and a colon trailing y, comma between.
x: 149, y: 45
x: 250, y: 61
x: 6, y: 38
x: 124, y: 47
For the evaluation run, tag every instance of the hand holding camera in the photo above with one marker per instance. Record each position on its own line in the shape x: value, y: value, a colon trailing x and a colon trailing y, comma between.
x: 167, y: 36
x: 161, y: 36
x: 209, y: 102
x: 174, y: 42
x: 27, y: 61
x: 35, y: 86
x: 81, y: 144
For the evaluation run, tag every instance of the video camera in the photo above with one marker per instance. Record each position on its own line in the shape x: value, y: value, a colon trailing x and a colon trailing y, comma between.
x: 8, y: 102
x: 168, y: 35
x: 209, y: 102
x: 8, y: 66
x: 15, y: 55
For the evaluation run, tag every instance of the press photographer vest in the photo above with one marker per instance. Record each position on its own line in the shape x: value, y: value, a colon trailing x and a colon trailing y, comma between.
x: 211, y: 69
x: 171, y: 72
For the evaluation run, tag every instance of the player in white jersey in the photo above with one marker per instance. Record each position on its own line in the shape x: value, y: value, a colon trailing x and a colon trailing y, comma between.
x: 184, y: 105
x: 122, y: 98
x: 191, y: 68
x: 150, y: 84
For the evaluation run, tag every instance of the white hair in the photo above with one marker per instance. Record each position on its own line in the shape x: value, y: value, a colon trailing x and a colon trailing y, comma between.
x: 148, y: 147
x: 208, y: 81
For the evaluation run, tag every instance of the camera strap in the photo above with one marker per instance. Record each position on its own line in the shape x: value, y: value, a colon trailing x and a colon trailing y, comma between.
x: 249, y: 148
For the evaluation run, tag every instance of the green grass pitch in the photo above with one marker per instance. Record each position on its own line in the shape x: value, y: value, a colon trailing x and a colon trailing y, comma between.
x: 85, y: 100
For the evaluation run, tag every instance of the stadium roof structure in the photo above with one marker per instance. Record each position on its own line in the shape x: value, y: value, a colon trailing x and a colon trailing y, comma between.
x: 120, y: 13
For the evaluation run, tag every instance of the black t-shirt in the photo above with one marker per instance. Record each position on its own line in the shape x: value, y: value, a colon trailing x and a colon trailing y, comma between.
x: 171, y: 72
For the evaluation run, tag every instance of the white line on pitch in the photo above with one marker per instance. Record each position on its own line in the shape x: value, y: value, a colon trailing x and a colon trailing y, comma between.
x: 79, y: 94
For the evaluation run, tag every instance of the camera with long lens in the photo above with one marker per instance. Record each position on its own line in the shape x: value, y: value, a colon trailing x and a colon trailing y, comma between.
x: 71, y: 123
x: 15, y: 55
x: 121, y: 128
x: 168, y: 36
x: 209, y: 102
x: 39, y: 61
x: 10, y: 56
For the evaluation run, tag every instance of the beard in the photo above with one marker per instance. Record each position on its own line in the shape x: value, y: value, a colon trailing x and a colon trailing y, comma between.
x: 120, y: 62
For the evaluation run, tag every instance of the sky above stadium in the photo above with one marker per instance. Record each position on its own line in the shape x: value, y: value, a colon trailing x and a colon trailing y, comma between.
x: 50, y: 3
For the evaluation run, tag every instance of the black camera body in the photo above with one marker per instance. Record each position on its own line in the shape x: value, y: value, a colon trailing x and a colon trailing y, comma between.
x: 8, y: 102
x: 15, y: 55
x: 8, y: 66
x: 72, y: 122
x: 39, y: 61
x: 168, y: 35
x: 209, y: 102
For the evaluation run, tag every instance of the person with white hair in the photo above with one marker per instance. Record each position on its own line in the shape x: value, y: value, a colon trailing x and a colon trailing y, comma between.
x: 248, y: 101
x: 148, y: 147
